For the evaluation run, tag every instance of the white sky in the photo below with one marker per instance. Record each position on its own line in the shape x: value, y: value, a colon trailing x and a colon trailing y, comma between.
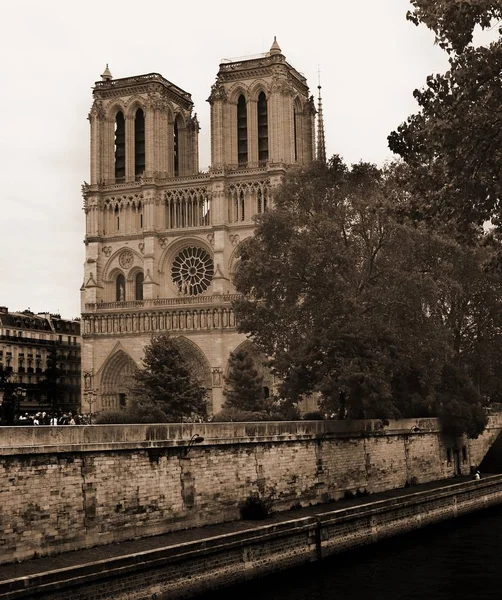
x: 371, y: 60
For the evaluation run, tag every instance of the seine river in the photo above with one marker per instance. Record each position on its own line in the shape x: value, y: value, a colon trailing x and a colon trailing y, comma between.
x: 457, y: 560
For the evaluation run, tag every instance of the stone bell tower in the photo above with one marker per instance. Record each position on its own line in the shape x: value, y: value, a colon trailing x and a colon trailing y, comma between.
x: 161, y: 237
x: 261, y: 113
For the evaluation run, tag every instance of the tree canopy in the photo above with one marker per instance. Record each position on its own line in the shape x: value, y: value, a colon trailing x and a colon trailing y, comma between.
x: 243, y: 384
x: 345, y: 296
x: 166, y: 384
x: 453, y: 143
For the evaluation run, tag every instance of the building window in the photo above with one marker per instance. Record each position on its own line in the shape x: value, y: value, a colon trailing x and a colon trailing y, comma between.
x: 242, y: 131
x: 176, y: 148
x: 119, y: 147
x: 295, y: 133
x: 120, y: 288
x: 192, y: 271
x: 122, y: 400
x: 262, y: 128
x: 138, y: 287
x: 139, y: 143
x: 242, y: 204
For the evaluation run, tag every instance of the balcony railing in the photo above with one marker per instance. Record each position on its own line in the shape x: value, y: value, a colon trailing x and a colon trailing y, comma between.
x: 159, y: 302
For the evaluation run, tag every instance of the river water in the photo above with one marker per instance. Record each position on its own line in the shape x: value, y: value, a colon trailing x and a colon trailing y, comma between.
x: 457, y: 560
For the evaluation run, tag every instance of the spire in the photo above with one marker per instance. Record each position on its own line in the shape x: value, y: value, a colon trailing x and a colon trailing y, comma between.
x: 106, y: 75
x: 321, y: 144
x: 275, y: 48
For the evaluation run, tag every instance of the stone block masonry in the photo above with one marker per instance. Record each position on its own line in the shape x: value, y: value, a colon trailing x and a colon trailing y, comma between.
x: 68, y: 488
x: 185, y: 569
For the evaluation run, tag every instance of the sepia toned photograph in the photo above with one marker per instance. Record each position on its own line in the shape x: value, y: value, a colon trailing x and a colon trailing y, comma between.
x: 251, y: 300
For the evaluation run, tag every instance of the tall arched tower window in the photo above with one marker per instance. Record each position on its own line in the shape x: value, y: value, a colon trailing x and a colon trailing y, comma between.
x: 138, y: 285
x: 295, y: 133
x: 176, y: 147
x: 120, y: 288
x: 242, y: 131
x: 120, y: 146
x: 139, y: 143
x: 262, y: 128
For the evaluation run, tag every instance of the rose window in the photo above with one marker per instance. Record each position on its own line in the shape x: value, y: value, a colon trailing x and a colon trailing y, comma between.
x: 126, y: 259
x: 192, y: 271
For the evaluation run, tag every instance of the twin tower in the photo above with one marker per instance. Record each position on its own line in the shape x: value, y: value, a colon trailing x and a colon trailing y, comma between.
x: 161, y: 237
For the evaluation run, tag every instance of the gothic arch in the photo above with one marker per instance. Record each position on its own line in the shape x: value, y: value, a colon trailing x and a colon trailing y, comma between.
x: 116, y: 378
x: 134, y: 271
x: 256, y: 88
x: 169, y: 111
x: 175, y: 246
x: 113, y: 109
x: 133, y: 104
x: 167, y: 286
x: 297, y: 104
x: 195, y: 359
x: 259, y: 360
x: 198, y: 364
x: 111, y: 264
x: 234, y: 260
x: 180, y: 117
x: 235, y: 91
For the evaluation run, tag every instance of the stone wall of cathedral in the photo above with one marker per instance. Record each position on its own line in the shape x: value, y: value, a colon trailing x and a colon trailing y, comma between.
x: 161, y: 238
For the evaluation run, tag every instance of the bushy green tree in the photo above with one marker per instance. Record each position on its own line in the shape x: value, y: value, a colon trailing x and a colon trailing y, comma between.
x: 459, y: 404
x: 353, y: 300
x: 166, y: 384
x: 244, y: 384
x: 452, y: 143
x: 51, y: 388
x: 10, y: 406
x: 336, y: 290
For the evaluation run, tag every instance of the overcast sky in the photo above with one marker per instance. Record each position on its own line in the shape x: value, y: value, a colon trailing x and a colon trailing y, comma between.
x: 371, y: 59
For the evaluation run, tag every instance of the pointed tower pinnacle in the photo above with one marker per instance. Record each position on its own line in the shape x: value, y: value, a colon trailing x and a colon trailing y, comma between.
x: 106, y: 75
x: 275, y: 48
x: 321, y: 144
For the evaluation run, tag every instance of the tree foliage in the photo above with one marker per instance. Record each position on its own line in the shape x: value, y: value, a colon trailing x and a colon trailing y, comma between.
x: 346, y: 297
x: 165, y: 387
x: 244, y: 384
x: 454, y: 21
x: 51, y: 388
x: 453, y: 143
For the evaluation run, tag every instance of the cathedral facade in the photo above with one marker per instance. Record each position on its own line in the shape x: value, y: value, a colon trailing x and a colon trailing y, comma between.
x: 161, y: 237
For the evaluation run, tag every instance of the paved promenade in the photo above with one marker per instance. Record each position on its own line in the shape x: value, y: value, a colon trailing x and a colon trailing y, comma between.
x: 110, y: 551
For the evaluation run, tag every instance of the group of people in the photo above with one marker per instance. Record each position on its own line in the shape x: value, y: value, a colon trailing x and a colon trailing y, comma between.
x: 60, y: 418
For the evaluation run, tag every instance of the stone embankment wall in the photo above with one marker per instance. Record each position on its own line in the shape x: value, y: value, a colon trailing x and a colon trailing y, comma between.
x: 181, y: 571
x: 65, y: 488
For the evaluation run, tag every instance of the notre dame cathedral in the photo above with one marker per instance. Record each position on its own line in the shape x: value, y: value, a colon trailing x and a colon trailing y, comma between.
x: 161, y: 237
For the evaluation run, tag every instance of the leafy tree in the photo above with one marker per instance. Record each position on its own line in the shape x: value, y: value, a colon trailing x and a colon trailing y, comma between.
x: 244, y: 385
x: 454, y: 21
x: 459, y: 404
x: 452, y: 144
x: 10, y: 401
x: 52, y: 390
x: 339, y: 293
x: 165, y: 384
